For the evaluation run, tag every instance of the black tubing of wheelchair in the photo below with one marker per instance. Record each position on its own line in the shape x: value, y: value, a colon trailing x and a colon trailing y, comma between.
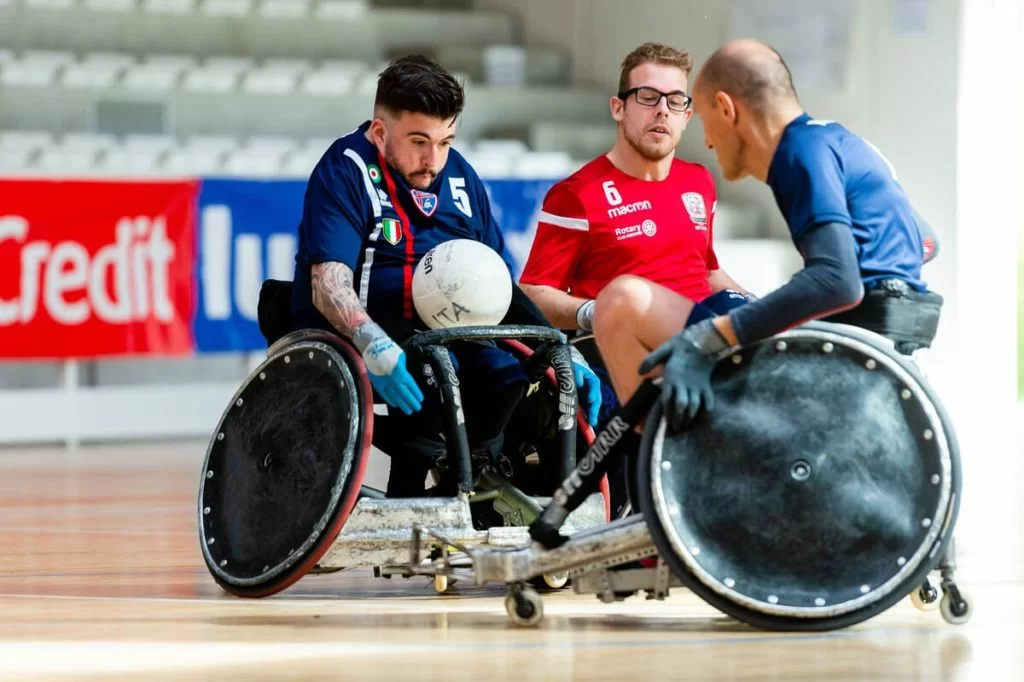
x: 435, y: 337
x: 765, y: 621
x: 455, y: 428
x: 560, y: 359
x: 586, y: 478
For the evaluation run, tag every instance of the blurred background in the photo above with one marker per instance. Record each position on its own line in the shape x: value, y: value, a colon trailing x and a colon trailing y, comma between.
x: 153, y: 155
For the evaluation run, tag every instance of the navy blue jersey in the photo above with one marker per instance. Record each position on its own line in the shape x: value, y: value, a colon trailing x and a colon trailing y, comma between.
x: 359, y: 212
x: 821, y: 173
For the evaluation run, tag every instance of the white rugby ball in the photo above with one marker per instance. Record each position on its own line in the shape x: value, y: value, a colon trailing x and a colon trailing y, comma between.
x: 461, y: 283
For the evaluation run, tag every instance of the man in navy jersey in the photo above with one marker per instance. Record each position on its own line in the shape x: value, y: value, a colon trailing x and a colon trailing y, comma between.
x: 847, y: 213
x: 379, y: 199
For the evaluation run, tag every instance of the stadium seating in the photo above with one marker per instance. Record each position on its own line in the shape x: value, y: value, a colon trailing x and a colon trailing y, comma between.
x: 260, y: 87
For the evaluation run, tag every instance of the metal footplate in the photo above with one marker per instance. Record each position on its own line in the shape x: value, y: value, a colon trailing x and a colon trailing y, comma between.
x: 586, y: 551
x: 377, y: 533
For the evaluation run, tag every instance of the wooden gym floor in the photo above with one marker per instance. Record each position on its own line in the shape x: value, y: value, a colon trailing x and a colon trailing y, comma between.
x: 101, y: 578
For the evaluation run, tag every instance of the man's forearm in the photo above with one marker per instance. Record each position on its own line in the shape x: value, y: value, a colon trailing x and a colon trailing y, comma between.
x: 334, y: 295
x: 558, y: 306
x: 719, y: 280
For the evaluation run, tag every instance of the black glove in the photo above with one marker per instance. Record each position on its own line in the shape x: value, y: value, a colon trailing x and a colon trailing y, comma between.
x: 689, y: 357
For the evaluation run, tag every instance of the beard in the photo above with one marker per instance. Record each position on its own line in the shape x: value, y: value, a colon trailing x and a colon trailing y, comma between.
x: 419, y: 178
x: 652, y: 150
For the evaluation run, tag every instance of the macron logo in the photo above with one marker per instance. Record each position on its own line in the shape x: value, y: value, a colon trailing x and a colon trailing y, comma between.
x: 635, y: 207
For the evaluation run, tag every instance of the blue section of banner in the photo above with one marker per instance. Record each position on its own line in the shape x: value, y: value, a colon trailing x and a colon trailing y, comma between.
x: 247, y: 233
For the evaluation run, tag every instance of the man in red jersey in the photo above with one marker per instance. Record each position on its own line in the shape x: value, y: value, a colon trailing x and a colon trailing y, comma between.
x: 634, y: 211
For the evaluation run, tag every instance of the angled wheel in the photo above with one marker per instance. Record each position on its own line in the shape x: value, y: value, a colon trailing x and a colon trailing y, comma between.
x: 285, y: 465
x: 816, y: 494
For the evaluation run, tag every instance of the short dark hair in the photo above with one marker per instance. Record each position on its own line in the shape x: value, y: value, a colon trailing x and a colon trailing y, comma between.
x: 419, y: 85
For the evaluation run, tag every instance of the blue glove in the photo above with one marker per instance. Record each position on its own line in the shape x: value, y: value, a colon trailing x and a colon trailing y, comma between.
x: 385, y: 363
x: 588, y: 387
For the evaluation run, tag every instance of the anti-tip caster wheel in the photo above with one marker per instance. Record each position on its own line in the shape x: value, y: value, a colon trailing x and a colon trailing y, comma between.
x: 524, y: 606
x: 926, y: 597
x: 955, y: 606
x: 440, y: 583
x: 550, y: 581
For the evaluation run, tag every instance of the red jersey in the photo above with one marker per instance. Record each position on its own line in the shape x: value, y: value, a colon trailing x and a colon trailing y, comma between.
x: 600, y: 223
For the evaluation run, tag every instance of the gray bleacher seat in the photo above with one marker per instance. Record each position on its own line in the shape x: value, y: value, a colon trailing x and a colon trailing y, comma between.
x: 168, y: 6
x: 110, y: 5
x: 96, y: 70
x: 226, y: 8
x: 284, y: 9
x: 19, y: 148
x: 158, y: 72
x: 200, y: 155
x: 36, y: 68
x: 137, y: 154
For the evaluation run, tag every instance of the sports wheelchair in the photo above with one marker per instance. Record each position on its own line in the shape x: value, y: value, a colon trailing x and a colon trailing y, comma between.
x: 282, y: 491
x: 822, y: 489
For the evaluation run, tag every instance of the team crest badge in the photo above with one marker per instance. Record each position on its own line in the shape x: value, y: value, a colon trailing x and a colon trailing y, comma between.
x: 426, y: 201
x: 694, y: 204
x: 391, y: 230
x: 374, y: 173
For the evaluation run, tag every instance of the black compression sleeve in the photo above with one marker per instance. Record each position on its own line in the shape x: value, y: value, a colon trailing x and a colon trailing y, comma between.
x: 829, y: 282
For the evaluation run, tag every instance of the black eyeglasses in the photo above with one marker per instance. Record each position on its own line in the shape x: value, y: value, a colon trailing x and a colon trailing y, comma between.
x: 649, y: 97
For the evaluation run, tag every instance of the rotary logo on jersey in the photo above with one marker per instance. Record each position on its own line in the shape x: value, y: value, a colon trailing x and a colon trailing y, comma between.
x: 694, y: 204
x: 426, y: 201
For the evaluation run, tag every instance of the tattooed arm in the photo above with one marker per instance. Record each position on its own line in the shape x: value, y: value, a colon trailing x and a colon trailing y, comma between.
x: 334, y: 295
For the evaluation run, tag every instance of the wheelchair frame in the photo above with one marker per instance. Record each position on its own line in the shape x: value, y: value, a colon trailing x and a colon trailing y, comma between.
x: 588, y: 556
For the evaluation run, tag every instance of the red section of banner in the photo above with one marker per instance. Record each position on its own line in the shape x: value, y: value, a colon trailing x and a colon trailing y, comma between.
x: 93, y: 269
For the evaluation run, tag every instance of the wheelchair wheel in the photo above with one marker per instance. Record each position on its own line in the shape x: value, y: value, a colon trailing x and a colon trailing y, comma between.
x: 285, y: 465
x: 821, y: 489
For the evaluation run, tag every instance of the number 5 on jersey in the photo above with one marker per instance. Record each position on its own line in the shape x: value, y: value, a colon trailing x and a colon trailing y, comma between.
x: 459, y: 195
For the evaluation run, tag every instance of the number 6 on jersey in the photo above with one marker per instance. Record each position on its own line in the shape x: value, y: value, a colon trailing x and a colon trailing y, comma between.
x: 611, y: 194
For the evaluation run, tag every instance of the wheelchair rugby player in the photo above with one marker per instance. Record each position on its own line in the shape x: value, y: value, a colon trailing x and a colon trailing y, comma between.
x: 402, y: 328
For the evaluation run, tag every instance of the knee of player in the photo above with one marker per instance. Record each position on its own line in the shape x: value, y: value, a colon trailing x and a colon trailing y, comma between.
x: 622, y: 299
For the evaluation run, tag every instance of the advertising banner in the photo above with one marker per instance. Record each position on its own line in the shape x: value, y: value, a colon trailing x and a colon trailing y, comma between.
x: 93, y: 269
x: 247, y: 233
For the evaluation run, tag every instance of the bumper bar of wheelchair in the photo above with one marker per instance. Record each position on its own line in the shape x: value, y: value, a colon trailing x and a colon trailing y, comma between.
x: 588, y: 550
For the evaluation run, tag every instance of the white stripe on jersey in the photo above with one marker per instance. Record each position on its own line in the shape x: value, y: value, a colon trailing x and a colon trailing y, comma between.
x: 364, y: 275
x: 569, y: 223
x: 374, y: 199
